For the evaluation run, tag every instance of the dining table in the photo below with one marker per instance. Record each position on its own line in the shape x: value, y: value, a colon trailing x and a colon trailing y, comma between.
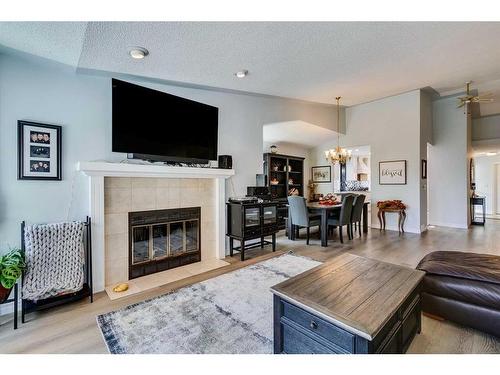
x: 324, y: 210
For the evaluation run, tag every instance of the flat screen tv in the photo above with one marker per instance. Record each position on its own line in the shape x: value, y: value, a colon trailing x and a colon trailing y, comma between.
x: 153, y: 125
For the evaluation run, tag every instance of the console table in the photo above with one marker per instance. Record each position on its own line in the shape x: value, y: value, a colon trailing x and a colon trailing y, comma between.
x: 351, y: 304
x: 401, y: 219
x: 249, y: 221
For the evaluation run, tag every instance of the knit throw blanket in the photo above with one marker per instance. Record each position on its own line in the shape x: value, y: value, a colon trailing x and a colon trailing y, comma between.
x: 54, y: 260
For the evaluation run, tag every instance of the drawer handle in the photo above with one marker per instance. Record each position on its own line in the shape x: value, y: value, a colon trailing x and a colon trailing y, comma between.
x: 313, y: 325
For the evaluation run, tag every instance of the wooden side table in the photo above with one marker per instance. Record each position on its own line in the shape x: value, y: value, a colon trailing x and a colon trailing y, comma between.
x: 401, y: 219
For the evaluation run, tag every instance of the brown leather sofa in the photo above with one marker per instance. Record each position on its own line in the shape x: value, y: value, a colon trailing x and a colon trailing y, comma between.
x: 463, y: 288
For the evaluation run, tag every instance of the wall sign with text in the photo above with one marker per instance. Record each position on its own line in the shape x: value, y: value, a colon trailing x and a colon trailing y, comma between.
x: 392, y: 172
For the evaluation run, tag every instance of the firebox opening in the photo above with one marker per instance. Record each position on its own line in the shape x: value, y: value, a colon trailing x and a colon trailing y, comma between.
x: 163, y: 239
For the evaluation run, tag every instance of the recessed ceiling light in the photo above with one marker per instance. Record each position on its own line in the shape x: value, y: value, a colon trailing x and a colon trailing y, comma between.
x: 138, y: 53
x: 241, y: 73
x: 491, y: 153
x: 357, y: 150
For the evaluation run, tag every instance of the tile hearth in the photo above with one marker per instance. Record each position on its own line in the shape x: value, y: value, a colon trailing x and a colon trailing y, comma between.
x: 161, y: 278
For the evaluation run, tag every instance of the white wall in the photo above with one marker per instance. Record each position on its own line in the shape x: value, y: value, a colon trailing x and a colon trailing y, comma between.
x: 485, y: 176
x: 391, y: 127
x: 426, y: 138
x: 448, y: 165
x: 37, y: 90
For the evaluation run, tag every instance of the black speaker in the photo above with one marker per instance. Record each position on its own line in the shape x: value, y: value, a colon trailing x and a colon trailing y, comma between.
x: 225, y: 161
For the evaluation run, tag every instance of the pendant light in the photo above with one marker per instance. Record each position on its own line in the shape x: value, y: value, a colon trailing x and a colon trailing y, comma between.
x: 338, y: 155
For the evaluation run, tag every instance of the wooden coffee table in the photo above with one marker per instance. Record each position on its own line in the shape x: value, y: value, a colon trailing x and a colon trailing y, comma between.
x: 348, y: 305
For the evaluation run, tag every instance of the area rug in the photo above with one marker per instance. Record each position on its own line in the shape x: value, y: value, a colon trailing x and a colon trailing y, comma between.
x: 231, y: 313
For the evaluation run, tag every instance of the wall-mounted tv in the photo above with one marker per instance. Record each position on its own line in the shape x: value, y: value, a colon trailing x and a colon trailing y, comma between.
x: 153, y: 125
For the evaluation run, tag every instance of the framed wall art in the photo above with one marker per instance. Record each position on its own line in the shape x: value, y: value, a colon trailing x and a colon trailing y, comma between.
x: 321, y: 174
x: 39, y: 151
x: 392, y: 172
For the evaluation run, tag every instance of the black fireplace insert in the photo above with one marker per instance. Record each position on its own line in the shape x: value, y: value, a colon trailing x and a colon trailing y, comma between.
x: 163, y: 239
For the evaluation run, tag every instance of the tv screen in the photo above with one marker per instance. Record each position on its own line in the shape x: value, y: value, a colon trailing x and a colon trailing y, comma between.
x: 160, y: 126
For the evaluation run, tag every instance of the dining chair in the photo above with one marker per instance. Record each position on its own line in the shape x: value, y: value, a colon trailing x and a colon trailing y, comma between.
x: 342, y: 196
x: 343, y: 217
x: 301, y: 218
x: 357, y: 210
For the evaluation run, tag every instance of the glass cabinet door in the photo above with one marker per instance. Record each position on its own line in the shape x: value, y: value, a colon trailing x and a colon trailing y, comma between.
x: 252, y: 217
x: 270, y: 215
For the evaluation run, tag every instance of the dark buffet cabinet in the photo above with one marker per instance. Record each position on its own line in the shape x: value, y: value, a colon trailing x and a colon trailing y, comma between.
x: 249, y: 221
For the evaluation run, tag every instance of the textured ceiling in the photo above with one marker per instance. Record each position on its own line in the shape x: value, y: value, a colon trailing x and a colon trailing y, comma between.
x: 60, y: 41
x: 361, y: 61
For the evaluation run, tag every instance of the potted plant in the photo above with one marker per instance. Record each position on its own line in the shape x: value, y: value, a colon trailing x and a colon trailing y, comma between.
x: 11, y: 269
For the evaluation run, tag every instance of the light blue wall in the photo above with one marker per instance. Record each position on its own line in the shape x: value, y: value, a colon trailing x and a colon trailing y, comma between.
x: 41, y: 91
x: 487, y: 127
x: 49, y: 93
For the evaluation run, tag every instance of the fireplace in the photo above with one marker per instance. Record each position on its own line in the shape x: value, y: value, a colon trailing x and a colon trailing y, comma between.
x: 163, y: 239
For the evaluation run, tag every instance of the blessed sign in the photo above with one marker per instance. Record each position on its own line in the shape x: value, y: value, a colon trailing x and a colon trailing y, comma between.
x: 392, y: 172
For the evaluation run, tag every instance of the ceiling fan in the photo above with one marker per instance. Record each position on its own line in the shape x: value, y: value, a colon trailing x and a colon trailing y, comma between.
x: 469, y: 99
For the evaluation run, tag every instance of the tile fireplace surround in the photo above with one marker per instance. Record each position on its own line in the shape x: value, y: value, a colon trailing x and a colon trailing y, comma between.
x: 119, y: 188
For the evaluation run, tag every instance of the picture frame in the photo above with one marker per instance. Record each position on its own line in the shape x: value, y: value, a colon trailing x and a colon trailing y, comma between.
x: 321, y: 174
x: 39, y: 151
x: 424, y: 169
x: 392, y: 172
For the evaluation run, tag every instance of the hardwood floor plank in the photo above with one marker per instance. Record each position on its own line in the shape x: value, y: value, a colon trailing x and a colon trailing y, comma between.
x: 73, y: 328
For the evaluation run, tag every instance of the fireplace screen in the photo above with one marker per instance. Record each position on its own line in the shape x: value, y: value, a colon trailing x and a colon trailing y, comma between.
x: 163, y: 239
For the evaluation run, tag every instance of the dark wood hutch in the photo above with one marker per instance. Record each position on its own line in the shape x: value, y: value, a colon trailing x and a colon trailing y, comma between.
x: 283, y: 173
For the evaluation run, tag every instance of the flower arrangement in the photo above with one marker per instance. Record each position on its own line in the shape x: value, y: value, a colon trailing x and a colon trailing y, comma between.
x: 328, y: 200
x: 395, y: 204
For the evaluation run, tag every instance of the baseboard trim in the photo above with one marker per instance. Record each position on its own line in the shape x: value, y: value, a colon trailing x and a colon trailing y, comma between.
x: 449, y: 225
x: 8, y: 308
x: 395, y: 229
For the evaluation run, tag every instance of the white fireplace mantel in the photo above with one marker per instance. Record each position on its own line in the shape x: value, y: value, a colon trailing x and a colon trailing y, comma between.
x: 107, y: 169
x: 97, y: 170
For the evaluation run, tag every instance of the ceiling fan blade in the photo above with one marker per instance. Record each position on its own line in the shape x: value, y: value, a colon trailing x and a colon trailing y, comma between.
x: 485, y: 100
x: 461, y: 105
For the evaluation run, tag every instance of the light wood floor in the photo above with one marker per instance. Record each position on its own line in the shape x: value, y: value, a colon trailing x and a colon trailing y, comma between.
x: 73, y: 328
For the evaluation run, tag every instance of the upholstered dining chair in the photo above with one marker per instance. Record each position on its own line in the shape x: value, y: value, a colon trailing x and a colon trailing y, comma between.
x: 301, y: 218
x: 357, y: 210
x: 343, y: 217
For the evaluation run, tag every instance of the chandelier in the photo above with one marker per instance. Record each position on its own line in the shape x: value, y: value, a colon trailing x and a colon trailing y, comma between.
x: 338, y: 155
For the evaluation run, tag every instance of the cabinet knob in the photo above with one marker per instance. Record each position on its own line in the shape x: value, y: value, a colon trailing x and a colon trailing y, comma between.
x: 313, y: 325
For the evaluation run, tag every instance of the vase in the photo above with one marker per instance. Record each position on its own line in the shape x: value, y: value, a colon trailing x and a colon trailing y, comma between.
x: 4, y: 293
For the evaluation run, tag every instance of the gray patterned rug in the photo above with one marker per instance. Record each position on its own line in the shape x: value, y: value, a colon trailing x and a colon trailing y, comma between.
x: 231, y: 313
